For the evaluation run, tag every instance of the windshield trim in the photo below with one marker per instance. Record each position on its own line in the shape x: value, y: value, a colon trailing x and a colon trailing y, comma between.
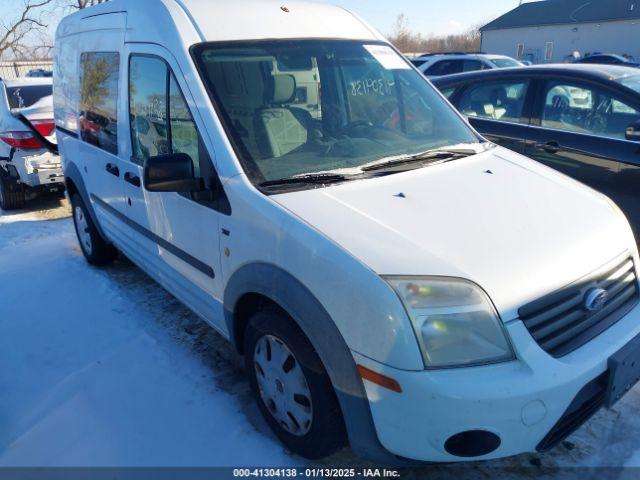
x: 244, y: 158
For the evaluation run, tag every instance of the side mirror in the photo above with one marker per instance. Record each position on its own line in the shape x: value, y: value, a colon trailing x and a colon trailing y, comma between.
x: 171, y: 173
x: 633, y: 132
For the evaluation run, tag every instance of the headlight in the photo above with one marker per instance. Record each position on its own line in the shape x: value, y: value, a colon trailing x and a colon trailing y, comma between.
x: 454, y: 321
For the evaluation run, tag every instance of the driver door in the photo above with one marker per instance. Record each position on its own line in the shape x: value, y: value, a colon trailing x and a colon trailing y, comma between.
x: 579, y: 129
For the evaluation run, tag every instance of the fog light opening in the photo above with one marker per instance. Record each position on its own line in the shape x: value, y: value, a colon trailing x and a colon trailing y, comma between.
x: 472, y: 443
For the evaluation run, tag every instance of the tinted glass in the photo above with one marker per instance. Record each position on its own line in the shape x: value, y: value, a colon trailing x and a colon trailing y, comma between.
x: 27, y: 96
x: 587, y: 110
x: 417, y: 63
x: 445, y: 67
x: 148, y: 107
x: 473, y: 65
x: 369, y: 106
x: 98, y: 99
x: 502, y: 101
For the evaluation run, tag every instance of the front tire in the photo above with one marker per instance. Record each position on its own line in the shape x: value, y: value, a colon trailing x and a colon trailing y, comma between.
x: 293, y: 391
x: 94, y: 248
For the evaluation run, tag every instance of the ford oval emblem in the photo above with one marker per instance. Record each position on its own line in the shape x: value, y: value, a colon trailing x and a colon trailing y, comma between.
x: 596, y: 299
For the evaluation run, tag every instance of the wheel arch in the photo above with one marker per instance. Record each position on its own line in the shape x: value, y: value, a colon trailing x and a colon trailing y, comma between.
x: 74, y: 183
x: 259, y: 285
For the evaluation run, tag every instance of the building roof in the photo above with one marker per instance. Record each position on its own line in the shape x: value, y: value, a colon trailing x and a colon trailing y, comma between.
x: 556, y: 12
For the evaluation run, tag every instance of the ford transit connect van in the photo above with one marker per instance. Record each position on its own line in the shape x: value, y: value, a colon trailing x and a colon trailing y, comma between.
x: 394, y: 281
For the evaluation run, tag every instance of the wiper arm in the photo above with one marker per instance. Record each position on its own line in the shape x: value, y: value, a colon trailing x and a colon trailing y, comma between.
x: 305, y: 179
x: 435, y: 156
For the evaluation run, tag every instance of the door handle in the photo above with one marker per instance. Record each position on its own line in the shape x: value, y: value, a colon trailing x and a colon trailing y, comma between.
x: 112, y: 169
x: 132, y: 179
x: 549, y: 147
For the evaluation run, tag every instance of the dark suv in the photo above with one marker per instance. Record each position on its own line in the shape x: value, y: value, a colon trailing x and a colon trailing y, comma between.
x: 583, y: 120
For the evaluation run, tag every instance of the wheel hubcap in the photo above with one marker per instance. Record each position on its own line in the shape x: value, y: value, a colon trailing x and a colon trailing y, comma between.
x: 282, y: 385
x: 82, y: 229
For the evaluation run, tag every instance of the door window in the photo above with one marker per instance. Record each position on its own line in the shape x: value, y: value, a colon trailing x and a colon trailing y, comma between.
x: 587, y: 110
x: 502, y: 101
x: 148, y: 107
x: 161, y: 122
x: 99, y: 72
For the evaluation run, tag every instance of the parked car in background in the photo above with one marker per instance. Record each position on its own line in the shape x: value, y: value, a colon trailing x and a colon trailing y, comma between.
x: 583, y: 120
x: 438, y: 64
x: 39, y: 73
x: 28, y: 167
x: 608, y: 59
x: 391, y: 278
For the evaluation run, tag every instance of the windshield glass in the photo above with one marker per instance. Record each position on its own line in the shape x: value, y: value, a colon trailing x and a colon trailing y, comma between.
x: 26, y: 96
x: 505, y: 62
x: 299, y: 107
x: 631, y: 82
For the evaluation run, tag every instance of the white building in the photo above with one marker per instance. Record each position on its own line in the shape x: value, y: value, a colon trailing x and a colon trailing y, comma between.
x: 549, y: 31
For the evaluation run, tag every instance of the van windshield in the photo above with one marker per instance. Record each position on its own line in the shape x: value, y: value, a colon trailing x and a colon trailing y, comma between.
x: 303, y: 107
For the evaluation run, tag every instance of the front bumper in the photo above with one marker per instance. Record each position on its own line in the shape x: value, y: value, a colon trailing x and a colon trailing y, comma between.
x: 520, y: 401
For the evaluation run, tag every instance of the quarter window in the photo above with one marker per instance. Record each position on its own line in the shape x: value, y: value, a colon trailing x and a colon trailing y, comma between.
x: 502, y: 101
x: 587, y: 110
x: 99, y: 72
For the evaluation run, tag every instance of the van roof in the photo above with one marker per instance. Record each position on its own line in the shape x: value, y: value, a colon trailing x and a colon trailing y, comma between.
x: 228, y: 21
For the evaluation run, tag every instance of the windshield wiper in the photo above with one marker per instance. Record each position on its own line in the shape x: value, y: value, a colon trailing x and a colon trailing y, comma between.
x: 432, y: 156
x: 306, y: 179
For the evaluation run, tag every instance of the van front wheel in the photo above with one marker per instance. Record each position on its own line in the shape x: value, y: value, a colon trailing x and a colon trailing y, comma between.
x: 291, y: 386
x: 94, y: 248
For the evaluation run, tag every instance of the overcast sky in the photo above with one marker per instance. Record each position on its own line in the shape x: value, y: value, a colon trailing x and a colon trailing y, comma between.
x: 425, y: 16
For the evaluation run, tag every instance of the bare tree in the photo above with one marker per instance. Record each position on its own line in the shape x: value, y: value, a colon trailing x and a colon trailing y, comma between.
x: 80, y: 4
x: 409, y: 41
x: 15, y: 32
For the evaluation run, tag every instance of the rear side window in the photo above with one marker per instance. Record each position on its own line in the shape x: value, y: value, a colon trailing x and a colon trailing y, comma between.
x: 445, y: 67
x: 99, y: 72
x: 502, y: 101
x: 28, y: 95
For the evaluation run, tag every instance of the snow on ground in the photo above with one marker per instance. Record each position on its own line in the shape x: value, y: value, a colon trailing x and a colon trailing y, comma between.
x: 102, y: 367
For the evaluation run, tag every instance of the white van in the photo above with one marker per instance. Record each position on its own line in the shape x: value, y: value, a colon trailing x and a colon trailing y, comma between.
x: 394, y: 281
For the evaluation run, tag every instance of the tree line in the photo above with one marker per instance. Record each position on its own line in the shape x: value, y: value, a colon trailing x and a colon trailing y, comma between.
x: 408, y: 41
x: 25, y: 34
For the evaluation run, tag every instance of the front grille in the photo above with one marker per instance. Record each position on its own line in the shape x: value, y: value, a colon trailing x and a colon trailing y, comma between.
x: 561, y: 323
x: 586, y: 403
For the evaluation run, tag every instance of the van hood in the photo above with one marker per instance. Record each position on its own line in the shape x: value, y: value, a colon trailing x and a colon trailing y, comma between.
x: 513, y: 226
